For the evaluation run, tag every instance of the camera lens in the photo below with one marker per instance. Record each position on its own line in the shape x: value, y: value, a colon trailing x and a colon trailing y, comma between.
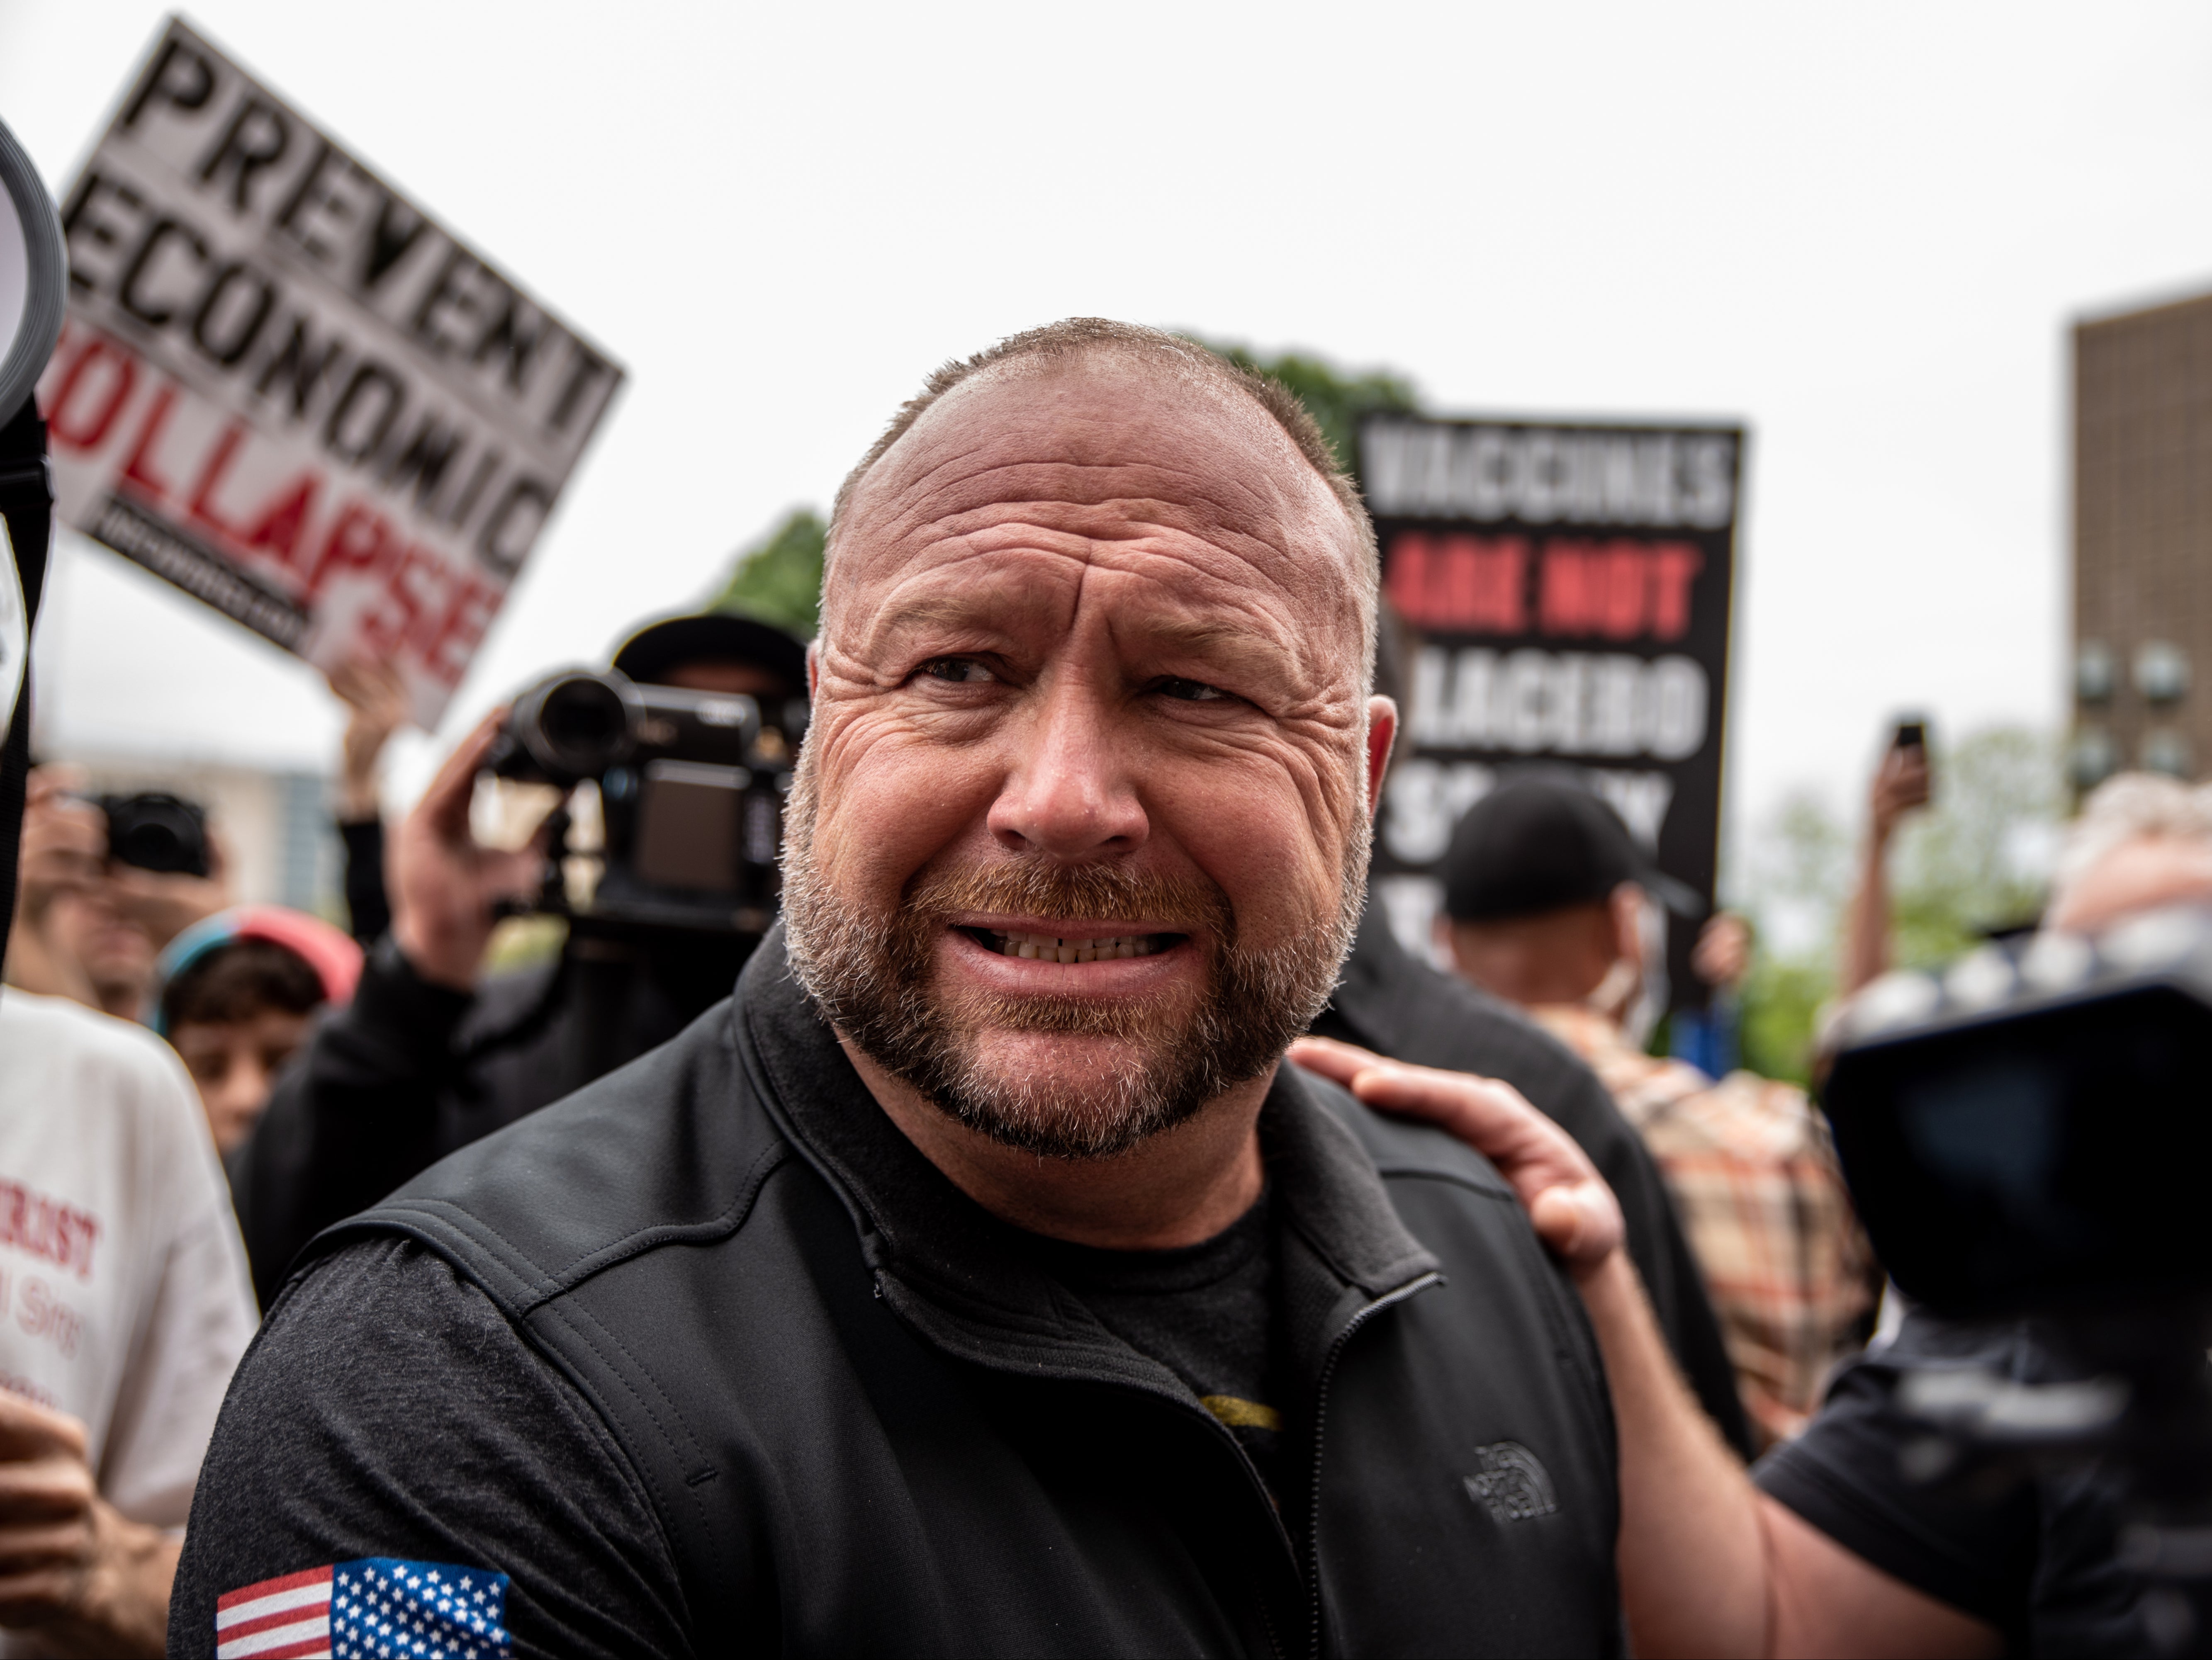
x: 577, y: 725
x: 583, y: 719
x: 151, y: 846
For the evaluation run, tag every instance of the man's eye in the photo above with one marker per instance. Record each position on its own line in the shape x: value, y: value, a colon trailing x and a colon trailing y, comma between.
x: 960, y: 670
x: 1190, y: 691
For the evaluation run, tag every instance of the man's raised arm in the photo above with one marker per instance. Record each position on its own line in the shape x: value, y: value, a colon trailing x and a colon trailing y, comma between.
x: 1708, y: 1565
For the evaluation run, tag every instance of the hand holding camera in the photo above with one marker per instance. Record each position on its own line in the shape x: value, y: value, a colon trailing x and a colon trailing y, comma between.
x: 65, y: 851
x: 690, y: 783
x: 165, y: 871
x: 106, y: 882
x: 64, y: 840
x: 446, y: 885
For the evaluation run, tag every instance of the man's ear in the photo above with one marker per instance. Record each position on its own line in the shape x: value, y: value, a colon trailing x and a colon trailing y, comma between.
x: 813, y: 666
x: 1447, y: 941
x: 1382, y: 733
x: 1627, y: 905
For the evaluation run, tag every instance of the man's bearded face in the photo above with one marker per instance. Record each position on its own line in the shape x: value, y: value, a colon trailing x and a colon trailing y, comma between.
x: 876, y: 978
x: 1079, y: 833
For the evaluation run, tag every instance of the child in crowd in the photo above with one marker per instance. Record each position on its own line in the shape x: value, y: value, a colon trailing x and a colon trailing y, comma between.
x: 235, y: 997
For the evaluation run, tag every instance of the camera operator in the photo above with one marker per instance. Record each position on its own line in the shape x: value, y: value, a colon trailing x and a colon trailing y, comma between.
x: 425, y: 1059
x: 1830, y: 1547
x: 107, y: 884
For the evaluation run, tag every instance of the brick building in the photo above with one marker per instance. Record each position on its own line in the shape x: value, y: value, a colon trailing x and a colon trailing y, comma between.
x: 2142, y: 542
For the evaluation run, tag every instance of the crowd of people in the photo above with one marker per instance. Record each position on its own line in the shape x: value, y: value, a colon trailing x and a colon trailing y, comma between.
x: 979, y: 1276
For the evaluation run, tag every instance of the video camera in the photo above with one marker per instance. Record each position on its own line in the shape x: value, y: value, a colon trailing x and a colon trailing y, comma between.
x: 691, y: 787
x: 2028, y: 1140
x: 2030, y: 1132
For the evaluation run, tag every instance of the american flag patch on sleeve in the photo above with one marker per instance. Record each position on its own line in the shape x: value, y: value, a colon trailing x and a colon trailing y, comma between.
x: 377, y: 1606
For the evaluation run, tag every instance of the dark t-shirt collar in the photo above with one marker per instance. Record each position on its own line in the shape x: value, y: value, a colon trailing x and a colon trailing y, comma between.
x: 977, y: 1286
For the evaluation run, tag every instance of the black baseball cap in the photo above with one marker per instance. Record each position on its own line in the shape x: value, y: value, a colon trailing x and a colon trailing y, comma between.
x: 1542, y: 844
x: 668, y: 642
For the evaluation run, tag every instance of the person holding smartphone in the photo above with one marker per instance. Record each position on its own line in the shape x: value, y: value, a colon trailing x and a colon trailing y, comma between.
x: 1902, y: 784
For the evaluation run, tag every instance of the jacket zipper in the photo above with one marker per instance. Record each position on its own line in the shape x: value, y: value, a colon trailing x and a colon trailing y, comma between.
x: 1320, y: 1420
x: 1260, y: 1489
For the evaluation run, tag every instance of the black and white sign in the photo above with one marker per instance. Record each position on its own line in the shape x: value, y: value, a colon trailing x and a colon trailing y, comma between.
x: 289, y: 389
x: 1571, y: 587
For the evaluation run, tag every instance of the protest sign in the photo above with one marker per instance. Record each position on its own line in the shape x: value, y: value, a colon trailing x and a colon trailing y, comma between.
x: 286, y: 388
x: 1570, y: 586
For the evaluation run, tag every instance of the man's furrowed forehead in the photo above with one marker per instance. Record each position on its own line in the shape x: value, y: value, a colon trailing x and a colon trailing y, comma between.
x: 1099, y: 431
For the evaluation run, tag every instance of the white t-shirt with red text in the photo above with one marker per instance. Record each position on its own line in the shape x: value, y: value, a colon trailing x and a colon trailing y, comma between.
x: 124, y: 1297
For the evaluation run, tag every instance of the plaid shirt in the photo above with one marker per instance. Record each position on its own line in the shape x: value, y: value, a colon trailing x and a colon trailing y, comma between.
x: 1754, y: 1176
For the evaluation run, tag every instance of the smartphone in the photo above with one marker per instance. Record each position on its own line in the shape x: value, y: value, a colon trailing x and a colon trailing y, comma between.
x: 1910, y: 735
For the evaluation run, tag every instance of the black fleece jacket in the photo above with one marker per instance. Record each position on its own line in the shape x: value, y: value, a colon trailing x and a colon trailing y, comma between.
x: 1396, y: 1006
x: 709, y: 1360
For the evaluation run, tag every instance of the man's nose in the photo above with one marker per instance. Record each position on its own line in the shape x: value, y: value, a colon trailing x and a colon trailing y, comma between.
x: 1068, y: 792
x: 246, y: 1086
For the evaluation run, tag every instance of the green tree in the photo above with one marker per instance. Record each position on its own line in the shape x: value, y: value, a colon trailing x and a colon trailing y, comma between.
x: 1970, y: 864
x: 1798, y: 878
x: 1335, y: 399
x: 779, y: 578
x: 1973, y: 862
x: 1782, y: 1002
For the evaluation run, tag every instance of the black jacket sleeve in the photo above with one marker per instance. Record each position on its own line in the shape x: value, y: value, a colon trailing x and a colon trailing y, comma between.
x: 356, y: 1115
x: 368, y: 910
x: 330, y: 1451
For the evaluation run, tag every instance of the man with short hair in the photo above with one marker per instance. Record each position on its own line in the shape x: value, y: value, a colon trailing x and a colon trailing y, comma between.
x: 1544, y: 899
x: 977, y: 1281
x: 1837, y: 1542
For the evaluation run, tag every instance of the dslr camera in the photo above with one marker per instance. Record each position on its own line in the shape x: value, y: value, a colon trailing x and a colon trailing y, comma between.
x: 155, y: 831
x: 691, y: 788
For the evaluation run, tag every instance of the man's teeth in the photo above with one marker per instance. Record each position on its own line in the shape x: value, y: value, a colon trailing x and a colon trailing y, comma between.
x: 1049, y: 948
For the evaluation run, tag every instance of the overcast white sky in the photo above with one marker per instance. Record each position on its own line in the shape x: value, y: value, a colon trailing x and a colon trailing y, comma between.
x: 1863, y: 230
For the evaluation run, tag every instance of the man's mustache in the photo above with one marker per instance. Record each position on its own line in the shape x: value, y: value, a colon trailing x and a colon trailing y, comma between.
x: 1084, y: 892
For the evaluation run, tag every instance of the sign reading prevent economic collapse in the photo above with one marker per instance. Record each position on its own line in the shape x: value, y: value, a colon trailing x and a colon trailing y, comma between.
x: 1571, y: 588
x: 287, y: 388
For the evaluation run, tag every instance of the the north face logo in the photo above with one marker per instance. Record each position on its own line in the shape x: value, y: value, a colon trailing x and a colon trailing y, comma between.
x: 1512, y: 1484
